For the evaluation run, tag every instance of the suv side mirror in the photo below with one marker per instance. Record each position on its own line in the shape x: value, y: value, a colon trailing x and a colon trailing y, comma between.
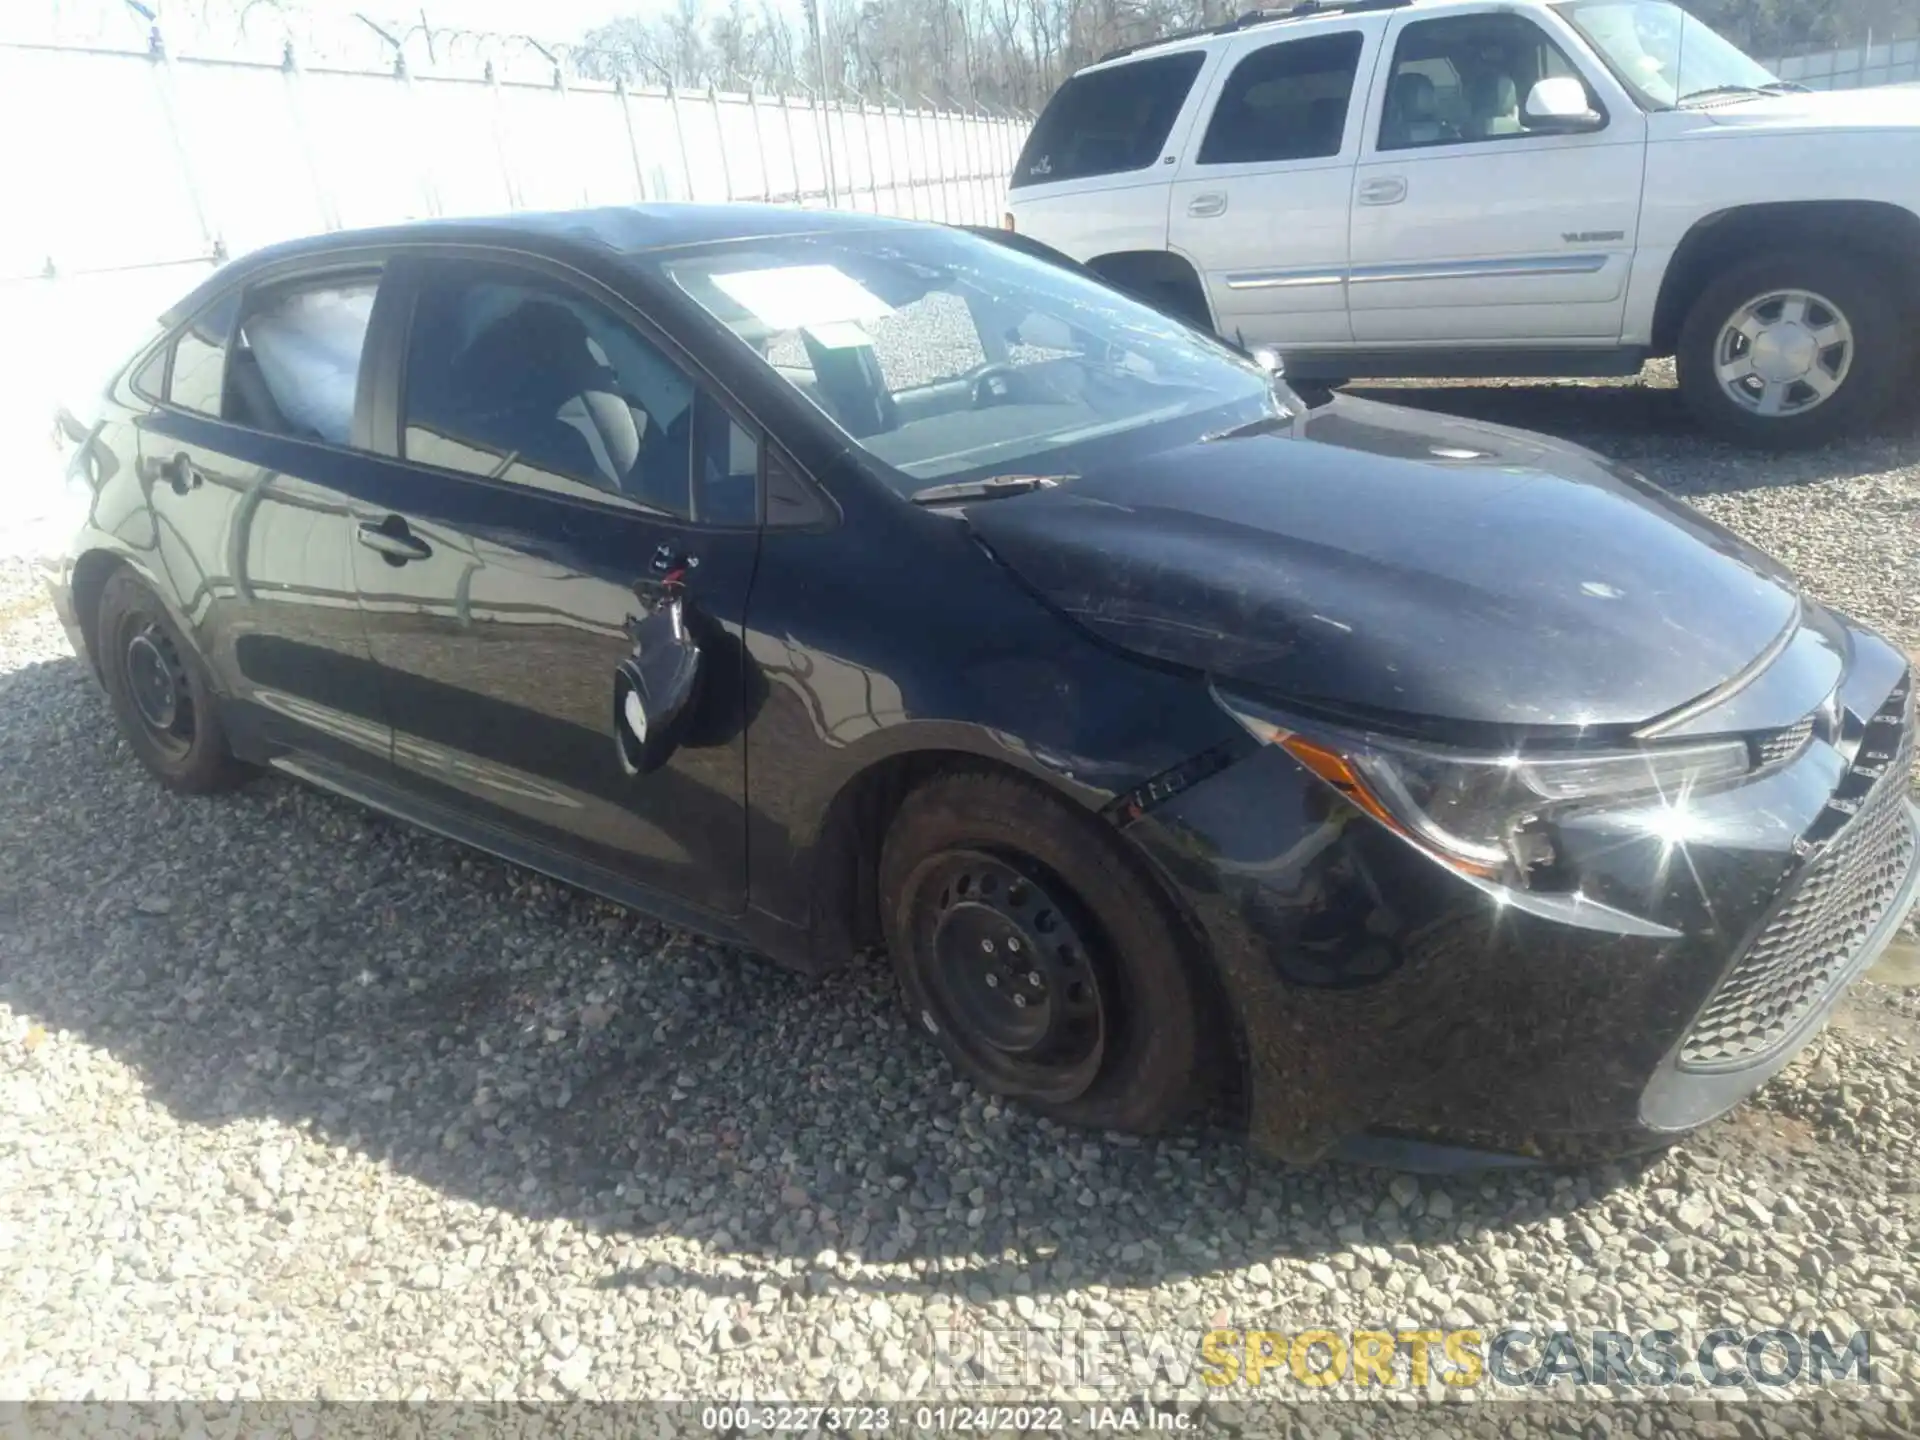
x: 1559, y: 106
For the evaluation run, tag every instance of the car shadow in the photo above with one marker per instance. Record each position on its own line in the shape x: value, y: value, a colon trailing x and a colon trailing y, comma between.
x: 279, y: 953
x: 1647, y: 426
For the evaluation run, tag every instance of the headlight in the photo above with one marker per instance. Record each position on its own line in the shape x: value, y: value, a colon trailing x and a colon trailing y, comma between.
x: 1482, y: 814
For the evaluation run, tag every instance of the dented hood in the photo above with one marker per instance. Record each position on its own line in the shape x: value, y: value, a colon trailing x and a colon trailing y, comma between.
x: 1390, y: 560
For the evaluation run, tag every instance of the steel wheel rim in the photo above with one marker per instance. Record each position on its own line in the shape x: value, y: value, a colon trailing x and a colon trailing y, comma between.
x: 156, y: 679
x: 1784, y: 353
x: 1008, y: 974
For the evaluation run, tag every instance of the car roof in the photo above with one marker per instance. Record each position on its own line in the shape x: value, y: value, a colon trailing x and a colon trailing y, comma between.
x: 1301, y: 13
x: 606, y: 233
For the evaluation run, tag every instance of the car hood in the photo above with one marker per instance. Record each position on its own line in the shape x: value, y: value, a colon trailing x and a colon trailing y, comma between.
x: 1886, y: 107
x: 1385, y: 560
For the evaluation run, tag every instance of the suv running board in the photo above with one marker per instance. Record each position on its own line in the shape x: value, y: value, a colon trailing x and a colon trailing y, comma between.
x: 1447, y: 362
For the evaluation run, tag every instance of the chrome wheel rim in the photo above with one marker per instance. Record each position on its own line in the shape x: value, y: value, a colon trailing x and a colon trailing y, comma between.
x: 1784, y: 353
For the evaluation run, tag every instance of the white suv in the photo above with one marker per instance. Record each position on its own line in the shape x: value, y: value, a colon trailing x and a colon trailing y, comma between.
x: 1502, y: 187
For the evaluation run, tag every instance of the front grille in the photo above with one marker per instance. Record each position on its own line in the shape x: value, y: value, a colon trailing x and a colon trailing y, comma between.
x: 1784, y: 744
x: 1813, y: 935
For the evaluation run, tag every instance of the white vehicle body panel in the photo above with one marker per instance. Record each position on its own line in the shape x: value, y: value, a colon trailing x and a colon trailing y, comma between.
x: 1552, y: 242
x: 1521, y: 239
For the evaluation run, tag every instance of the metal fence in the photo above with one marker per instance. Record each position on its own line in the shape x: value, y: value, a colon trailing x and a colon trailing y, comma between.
x: 145, y: 158
x: 1890, y: 62
x: 127, y: 174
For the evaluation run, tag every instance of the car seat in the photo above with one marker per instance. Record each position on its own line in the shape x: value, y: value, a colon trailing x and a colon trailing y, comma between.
x: 1413, y: 112
x: 1493, y: 102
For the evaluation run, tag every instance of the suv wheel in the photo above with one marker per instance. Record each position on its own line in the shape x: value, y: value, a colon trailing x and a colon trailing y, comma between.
x: 1793, y: 350
x: 1038, y: 958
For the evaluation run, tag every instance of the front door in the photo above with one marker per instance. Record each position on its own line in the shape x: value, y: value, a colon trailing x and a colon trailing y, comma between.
x: 1467, y: 226
x: 1260, y: 204
x: 564, y: 505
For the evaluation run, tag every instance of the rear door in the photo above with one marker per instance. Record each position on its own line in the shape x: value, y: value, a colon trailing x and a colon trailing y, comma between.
x: 1092, y: 178
x: 1260, y: 204
x: 1469, y: 227
x: 253, y: 458
x: 560, y: 502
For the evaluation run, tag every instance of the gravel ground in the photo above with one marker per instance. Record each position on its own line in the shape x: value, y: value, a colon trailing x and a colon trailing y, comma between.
x: 296, y: 1102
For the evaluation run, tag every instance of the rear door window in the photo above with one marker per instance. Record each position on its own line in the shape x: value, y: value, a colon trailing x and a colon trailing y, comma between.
x: 294, y: 369
x: 1109, y: 121
x: 1285, y: 102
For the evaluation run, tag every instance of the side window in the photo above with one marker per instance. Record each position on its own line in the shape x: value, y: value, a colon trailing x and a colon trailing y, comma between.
x: 526, y: 381
x: 200, y: 358
x: 151, y: 378
x: 1285, y: 102
x: 295, y: 364
x: 728, y: 492
x: 1462, y: 80
x: 1109, y: 121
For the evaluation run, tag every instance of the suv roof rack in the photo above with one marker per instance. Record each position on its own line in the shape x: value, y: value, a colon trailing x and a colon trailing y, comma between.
x: 1247, y: 19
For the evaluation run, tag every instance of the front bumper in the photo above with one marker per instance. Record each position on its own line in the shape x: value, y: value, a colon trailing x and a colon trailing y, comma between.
x: 1380, y: 995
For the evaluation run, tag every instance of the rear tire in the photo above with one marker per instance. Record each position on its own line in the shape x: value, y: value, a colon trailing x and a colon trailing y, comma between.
x: 1795, y: 349
x: 161, y: 697
x: 1038, y: 956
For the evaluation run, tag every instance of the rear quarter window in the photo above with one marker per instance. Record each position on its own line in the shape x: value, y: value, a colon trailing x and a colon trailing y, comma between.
x: 1108, y: 122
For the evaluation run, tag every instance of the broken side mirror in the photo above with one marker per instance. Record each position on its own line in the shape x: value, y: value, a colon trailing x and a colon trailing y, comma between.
x: 655, y: 688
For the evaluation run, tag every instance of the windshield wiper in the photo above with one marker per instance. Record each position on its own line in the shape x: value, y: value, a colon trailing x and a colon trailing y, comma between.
x: 1713, y: 92
x: 994, y: 487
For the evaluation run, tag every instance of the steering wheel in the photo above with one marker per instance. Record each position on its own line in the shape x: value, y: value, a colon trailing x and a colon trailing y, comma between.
x: 992, y: 383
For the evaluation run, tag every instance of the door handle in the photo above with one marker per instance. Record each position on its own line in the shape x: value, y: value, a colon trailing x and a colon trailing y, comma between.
x: 1205, y: 207
x: 393, y: 541
x: 1390, y: 190
x: 181, y: 473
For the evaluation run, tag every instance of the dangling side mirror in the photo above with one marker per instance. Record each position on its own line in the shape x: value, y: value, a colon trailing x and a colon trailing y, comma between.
x: 655, y: 688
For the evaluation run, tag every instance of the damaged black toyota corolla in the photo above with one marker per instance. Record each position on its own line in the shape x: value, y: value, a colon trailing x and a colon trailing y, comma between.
x: 820, y: 582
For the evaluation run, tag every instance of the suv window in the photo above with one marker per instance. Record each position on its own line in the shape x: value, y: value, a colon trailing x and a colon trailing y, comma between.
x: 1109, y: 121
x: 521, y: 379
x: 294, y: 368
x: 1462, y: 80
x: 198, y: 377
x: 1285, y: 102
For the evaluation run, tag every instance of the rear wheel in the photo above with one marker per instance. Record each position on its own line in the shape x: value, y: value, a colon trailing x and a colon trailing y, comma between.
x: 1042, y: 963
x: 1792, y: 350
x: 159, y: 691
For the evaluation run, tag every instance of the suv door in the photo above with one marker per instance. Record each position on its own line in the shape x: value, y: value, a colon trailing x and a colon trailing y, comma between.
x: 562, y: 508
x: 252, y: 459
x: 1092, y: 177
x: 1260, y: 204
x: 1468, y: 224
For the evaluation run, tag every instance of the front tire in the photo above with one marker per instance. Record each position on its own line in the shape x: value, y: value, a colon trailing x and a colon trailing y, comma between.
x: 1795, y: 349
x: 1039, y: 958
x: 160, y: 693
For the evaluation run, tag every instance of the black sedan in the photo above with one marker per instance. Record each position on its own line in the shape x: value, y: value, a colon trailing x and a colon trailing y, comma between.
x: 821, y: 582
